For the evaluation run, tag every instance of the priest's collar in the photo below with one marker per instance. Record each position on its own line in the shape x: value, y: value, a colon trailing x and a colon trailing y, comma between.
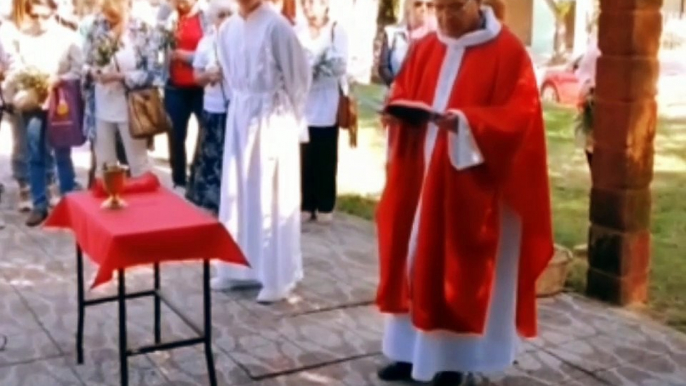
x: 491, y: 29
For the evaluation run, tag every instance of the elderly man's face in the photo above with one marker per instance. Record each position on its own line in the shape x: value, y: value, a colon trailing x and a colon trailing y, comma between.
x: 457, y: 17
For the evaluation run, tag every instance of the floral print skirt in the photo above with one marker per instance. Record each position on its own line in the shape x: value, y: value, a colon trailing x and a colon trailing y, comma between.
x: 206, y: 170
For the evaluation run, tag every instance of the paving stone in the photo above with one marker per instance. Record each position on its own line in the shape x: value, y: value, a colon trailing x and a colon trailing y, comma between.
x: 656, y: 371
x: 187, y: 366
x: 51, y: 372
x: 28, y: 347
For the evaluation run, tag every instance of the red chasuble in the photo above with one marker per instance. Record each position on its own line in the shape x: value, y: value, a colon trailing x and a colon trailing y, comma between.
x: 452, y: 273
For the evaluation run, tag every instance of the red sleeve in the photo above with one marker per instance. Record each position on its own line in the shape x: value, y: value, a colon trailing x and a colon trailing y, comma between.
x: 512, y: 118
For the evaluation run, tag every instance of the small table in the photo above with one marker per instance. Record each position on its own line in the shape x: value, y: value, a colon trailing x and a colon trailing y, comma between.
x: 156, y: 227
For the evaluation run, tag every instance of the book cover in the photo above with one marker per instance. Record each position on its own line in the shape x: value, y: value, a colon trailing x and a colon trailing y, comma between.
x: 414, y: 113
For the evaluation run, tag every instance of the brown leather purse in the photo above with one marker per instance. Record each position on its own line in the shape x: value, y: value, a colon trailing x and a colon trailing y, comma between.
x: 347, y: 117
x: 147, y: 116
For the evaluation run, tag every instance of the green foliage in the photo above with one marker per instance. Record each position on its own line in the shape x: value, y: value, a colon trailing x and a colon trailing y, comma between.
x: 560, y: 7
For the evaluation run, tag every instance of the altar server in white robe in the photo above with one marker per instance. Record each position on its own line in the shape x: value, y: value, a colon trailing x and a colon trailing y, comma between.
x: 464, y: 221
x: 270, y: 77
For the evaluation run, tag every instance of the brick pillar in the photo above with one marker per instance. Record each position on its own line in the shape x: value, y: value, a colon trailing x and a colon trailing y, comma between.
x: 625, y: 122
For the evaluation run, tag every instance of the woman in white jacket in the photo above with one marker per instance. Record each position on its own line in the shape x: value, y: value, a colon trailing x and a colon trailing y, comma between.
x: 45, y: 46
x: 326, y: 42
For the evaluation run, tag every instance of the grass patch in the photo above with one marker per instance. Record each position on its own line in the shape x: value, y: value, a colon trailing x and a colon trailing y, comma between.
x: 570, y: 185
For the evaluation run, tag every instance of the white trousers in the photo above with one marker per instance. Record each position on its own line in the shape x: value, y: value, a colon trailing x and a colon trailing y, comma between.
x: 106, y: 150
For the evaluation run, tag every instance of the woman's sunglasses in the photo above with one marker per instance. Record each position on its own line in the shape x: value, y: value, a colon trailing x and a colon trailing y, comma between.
x: 426, y: 4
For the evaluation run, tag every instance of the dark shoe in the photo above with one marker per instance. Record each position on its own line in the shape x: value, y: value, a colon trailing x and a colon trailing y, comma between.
x: 36, y: 217
x: 448, y: 378
x: 396, y: 371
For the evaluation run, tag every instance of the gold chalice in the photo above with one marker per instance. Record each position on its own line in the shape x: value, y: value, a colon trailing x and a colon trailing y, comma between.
x: 114, y: 179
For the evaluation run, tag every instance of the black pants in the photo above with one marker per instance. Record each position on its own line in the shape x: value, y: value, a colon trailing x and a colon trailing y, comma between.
x: 319, y: 165
x: 180, y: 103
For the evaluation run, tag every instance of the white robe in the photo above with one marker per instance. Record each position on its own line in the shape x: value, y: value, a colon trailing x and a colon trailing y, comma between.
x: 433, y: 352
x: 260, y: 194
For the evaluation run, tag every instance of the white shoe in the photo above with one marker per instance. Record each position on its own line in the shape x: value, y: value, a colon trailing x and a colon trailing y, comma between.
x: 24, y: 204
x: 326, y: 218
x: 267, y: 296
x: 225, y: 284
x: 53, y: 195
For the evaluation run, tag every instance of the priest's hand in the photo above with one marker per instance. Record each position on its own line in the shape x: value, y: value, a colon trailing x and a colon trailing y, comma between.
x: 448, y: 122
x: 389, y: 120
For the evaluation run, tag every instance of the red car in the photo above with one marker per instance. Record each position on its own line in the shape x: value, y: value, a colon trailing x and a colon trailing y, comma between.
x: 560, y: 84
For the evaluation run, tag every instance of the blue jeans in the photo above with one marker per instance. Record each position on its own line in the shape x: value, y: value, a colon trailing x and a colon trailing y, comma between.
x: 180, y: 103
x: 39, y: 154
x: 20, y: 153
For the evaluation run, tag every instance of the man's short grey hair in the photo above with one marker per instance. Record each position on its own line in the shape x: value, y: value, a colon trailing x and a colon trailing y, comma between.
x: 215, y: 7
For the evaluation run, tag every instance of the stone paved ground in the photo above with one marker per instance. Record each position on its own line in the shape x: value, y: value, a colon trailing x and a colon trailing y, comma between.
x: 328, y: 333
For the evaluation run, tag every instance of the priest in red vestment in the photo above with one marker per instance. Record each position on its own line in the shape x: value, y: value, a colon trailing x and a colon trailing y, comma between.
x: 464, y: 221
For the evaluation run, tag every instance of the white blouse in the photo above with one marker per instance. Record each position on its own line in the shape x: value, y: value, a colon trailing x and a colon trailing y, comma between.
x: 216, y: 96
x: 110, y: 98
x: 331, y: 45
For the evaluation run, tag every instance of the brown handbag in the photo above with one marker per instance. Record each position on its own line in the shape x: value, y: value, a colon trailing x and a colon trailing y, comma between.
x: 347, y: 109
x: 147, y: 116
x: 347, y: 116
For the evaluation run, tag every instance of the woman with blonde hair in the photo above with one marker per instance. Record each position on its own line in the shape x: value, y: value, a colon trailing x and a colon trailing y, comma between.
x: 9, y: 30
x: 204, y: 182
x: 120, y: 53
x: 42, y: 45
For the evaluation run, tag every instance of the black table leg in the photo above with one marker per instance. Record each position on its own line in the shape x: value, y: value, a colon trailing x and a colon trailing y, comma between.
x: 81, y: 300
x: 207, y: 305
x: 158, y: 305
x: 123, y: 357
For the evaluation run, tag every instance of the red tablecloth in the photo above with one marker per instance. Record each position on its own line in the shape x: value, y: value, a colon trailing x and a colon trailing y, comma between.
x: 156, y: 226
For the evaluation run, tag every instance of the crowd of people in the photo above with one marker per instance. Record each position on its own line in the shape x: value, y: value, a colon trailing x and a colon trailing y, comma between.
x: 464, y: 225
x: 175, y: 51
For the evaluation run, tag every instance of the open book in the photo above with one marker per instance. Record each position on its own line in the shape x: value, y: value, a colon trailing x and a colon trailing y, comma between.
x: 413, y: 113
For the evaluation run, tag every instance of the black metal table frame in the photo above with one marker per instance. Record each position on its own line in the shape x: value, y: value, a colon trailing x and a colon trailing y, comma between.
x: 204, y: 334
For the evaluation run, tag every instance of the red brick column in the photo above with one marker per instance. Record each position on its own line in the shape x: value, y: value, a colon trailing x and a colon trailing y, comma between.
x: 625, y: 122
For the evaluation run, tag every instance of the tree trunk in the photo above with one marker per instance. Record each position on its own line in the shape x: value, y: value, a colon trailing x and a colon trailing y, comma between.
x: 560, y: 41
x: 559, y: 8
